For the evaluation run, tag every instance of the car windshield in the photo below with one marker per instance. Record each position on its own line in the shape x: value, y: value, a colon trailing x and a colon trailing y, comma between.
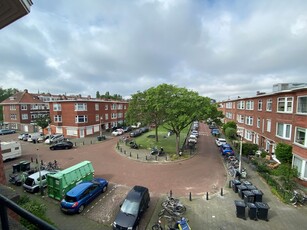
x: 29, y: 181
x: 70, y: 199
x: 130, y: 207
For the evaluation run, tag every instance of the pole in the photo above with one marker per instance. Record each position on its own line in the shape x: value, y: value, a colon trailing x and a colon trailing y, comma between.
x: 240, y: 162
x: 100, y: 128
x: 40, y: 175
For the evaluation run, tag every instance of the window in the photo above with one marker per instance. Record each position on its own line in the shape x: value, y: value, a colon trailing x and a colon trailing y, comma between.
x: 229, y: 105
x: 24, y: 116
x: 302, y: 105
x: 269, y: 105
x: 259, y: 105
x: 96, y: 106
x: 12, y: 107
x: 120, y: 106
x: 249, y: 120
x: 284, y: 104
x: 106, y: 116
x: 250, y: 105
x: 120, y: 115
x: 297, y: 163
x: 283, y: 130
x: 113, y: 115
x: 268, y: 125
x: 57, y: 107
x: 228, y: 115
x: 248, y: 135
x: 106, y: 107
x: 80, y: 107
x: 97, y: 117
x: 81, y: 119
x: 300, y: 136
x: 24, y: 107
x: 240, y: 118
x: 113, y: 107
x: 258, y: 122
x: 57, y: 118
x: 240, y: 105
x: 13, y: 117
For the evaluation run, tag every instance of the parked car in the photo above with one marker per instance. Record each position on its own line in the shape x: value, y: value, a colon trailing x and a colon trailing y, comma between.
x: 226, y: 149
x: 82, y: 194
x: 132, y: 209
x: 215, y: 132
x: 135, y: 133
x: 192, y: 139
x: 194, y: 132
x: 23, y: 136
x: 32, y: 183
x: 62, y: 145
x: 7, y: 131
x: 127, y: 129
x: 117, y: 132
x: 220, y: 141
x: 54, y: 139
x: 144, y: 129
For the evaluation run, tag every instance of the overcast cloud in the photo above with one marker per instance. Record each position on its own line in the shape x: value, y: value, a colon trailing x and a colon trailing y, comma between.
x: 221, y: 49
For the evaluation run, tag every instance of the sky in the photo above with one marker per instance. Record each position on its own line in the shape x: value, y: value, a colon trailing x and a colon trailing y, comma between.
x: 220, y: 49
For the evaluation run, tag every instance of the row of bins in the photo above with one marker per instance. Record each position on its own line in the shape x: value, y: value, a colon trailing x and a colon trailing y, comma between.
x: 22, y: 166
x: 251, y: 198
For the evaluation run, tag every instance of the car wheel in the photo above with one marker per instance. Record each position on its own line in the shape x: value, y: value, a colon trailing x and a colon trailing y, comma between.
x: 66, y: 147
x: 104, y: 189
x: 52, y: 148
x: 81, y: 208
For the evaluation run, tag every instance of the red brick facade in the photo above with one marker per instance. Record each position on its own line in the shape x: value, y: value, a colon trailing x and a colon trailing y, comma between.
x: 268, y: 119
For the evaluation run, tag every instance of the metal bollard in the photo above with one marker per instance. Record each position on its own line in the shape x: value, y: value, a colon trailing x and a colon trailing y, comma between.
x: 156, y: 158
x: 130, y: 154
x: 137, y: 156
x: 221, y: 191
x: 145, y: 157
x: 190, y: 196
x: 121, y: 150
x: 170, y: 193
x: 83, y: 142
x: 207, y: 196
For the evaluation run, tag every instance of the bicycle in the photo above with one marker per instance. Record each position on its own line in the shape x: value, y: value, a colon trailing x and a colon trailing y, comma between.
x: 298, y: 197
x: 174, y: 206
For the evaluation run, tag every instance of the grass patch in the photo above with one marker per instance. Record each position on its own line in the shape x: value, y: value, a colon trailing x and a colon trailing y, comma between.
x: 148, y: 140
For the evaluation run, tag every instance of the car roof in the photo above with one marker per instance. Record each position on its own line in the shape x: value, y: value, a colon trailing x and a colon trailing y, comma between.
x: 226, y: 145
x: 221, y: 139
x: 136, y: 193
x: 78, y: 189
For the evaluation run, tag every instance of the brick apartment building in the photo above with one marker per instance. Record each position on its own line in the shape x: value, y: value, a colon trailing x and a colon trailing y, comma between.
x: 72, y: 116
x: 270, y: 118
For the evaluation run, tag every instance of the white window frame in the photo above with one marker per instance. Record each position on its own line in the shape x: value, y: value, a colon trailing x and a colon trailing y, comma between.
x: 57, y: 118
x: 260, y: 105
x: 106, y: 116
x: 285, y: 132
x: 57, y: 107
x: 12, y: 107
x: 258, y: 122
x: 13, y: 116
x: 81, y: 119
x: 80, y: 107
x: 97, y: 106
x: 106, y: 107
x: 97, y: 117
x: 301, y: 105
x: 302, y: 140
x: 24, y: 116
x: 250, y: 105
x: 241, y: 105
x: 268, y: 125
x: 287, y: 104
x: 269, y: 104
x: 24, y: 107
x: 249, y: 120
x: 248, y: 135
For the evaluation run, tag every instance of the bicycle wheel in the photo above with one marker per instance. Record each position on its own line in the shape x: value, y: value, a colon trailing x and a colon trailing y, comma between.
x: 180, y: 208
x: 156, y: 227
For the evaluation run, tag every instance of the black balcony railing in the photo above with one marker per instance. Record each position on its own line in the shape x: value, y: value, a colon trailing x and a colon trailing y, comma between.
x: 6, y: 203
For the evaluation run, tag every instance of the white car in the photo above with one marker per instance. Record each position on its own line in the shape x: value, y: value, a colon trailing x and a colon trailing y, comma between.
x: 194, y: 132
x: 117, y: 132
x: 192, y: 139
x: 220, y: 141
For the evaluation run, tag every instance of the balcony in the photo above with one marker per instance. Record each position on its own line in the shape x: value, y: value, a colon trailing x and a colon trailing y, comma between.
x: 12, y: 10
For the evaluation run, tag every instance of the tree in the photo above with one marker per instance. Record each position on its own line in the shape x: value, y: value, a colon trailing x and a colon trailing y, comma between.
x: 229, y: 124
x: 283, y: 153
x: 97, y: 95
x: 230, y: 132
x: 43, y: 121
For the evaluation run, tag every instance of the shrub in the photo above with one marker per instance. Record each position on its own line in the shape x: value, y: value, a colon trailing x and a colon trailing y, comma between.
x: 284, y: 153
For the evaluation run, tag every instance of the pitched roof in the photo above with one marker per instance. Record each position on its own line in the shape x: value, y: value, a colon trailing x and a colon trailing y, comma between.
x: 22, y: 98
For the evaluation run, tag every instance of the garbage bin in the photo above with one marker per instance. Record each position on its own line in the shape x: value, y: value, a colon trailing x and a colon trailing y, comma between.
x: 248, y: 196
x: 25, y: 166
x: 258, y: 195
x: 235, y: 184
x: 103, y: 137
x: 252, y: 211
x: 251, y: 187
x: 241, y: 188
x: 240, y: 209
x: 16, y: 168
x: 99, y: 138
x: 262, y: 210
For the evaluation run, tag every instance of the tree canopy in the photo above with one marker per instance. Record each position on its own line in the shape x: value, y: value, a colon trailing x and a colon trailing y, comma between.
x: 168, y: 105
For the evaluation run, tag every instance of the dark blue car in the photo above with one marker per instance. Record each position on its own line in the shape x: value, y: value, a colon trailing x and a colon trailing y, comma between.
x: 226, y: 149
x: 82, y: 194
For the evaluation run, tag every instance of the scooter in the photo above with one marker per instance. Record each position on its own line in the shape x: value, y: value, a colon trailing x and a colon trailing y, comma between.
x: 161, y: 152
x: 182, y: 224
x: 154, y: 151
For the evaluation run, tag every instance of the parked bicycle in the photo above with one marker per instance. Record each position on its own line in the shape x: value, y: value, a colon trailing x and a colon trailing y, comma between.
x: 298, y: 198
x: 181, y: 224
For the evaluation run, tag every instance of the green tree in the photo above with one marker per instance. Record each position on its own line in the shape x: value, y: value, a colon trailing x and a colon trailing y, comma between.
x: 97, y: 95
x: 43, y: 121
x: 229, y: 124
x: 283, y: 153
x: 230, y: 132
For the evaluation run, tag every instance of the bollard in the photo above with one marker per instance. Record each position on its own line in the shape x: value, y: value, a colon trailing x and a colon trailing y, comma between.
x: 130, y: 154
x: 190, y: 196
x: 83, y: 142
x: 166, y: 157
x: 36, y: 161
x: 125, y: 152
x: 42, y: 162
x: 170, y: 193
x: 91, y: 141
x: 137, y: 156
x: 121, y: 150
x: 207, y: 196
x: 145, y: 157
x: 75, y: 144
x: 221, y: 191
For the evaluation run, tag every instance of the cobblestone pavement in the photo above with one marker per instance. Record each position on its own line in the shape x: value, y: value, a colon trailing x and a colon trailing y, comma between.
x: 201, y: 174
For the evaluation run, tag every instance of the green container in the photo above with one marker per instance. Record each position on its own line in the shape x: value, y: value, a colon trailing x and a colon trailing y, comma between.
x: 63, y: 181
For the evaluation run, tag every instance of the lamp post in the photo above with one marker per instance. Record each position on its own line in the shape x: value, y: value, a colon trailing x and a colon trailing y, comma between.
x: 41, y: 189
x: 100, y: 126
x: 240, y: 161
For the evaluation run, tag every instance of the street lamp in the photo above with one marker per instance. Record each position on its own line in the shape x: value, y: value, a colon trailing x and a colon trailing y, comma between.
x: 40, y: 175
x: 100, y: 126
x: 240, y: 161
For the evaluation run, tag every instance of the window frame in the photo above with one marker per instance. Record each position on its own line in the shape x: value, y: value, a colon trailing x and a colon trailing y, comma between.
x: 298, y: 105
x: 286, y: 132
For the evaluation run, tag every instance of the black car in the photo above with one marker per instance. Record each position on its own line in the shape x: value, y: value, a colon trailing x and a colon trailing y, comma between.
x: 132, y: 209
x: 135, y: 133
x: 62, y: 145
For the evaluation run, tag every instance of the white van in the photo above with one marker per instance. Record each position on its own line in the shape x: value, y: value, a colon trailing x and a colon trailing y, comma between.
x: 54, y: 139
x: 10, y: 150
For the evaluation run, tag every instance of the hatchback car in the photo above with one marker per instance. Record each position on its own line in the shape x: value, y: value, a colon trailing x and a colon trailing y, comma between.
x: 23, y: 136
x: 226, y: 149
x: 82, y: 194
x: 62, y: 145
x: 220, y: 141
x: 132, y: 209
x: 117, y: 132
x: 6, y: 131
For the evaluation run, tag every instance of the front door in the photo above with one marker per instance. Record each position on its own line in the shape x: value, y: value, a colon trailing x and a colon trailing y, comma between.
x: 81, y: 133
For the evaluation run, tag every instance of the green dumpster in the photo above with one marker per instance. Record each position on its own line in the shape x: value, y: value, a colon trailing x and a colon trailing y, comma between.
x: 63, y: 181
